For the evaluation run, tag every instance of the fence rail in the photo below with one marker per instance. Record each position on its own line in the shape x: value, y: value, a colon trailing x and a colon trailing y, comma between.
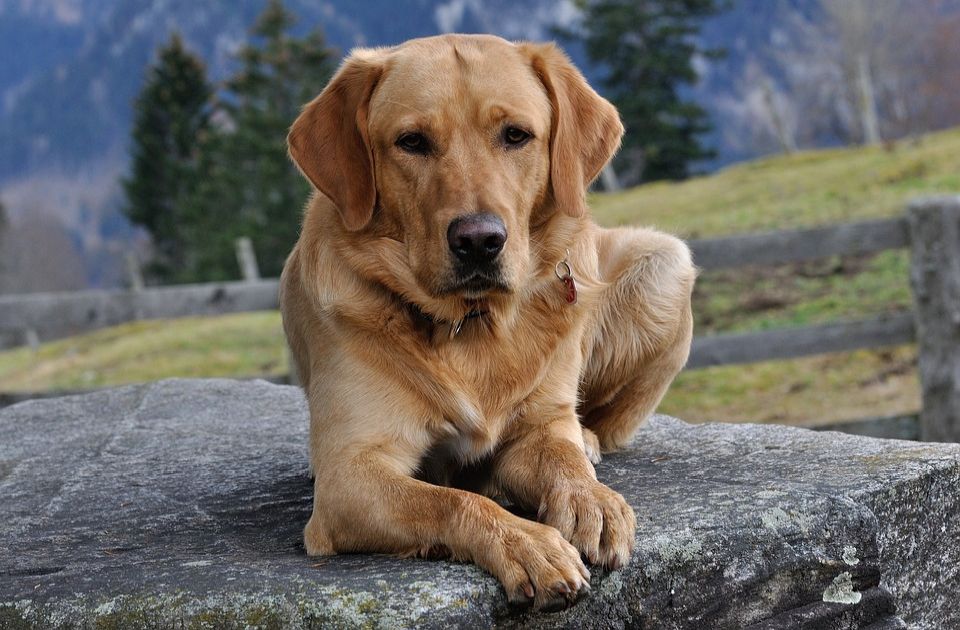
x: 792, y: 246
x: 790, y: 343
x: 55, y: 315
x: 931, y: 228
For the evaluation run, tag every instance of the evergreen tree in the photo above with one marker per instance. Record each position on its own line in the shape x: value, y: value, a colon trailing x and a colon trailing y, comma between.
x: 647, y: 49
x: 248, y: 186
x: 172, y: 115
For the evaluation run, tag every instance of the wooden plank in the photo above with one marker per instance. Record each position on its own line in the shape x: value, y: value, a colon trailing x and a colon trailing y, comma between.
x: 935, y: 279
x: 888, y: 427
x: 789, y: 343
x: 62, y: 314
x: 55, y: 315
x: 777, y: 248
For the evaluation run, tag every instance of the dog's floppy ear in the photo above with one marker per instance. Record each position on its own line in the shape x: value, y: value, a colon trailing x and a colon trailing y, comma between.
x: 329, y: 142
x: 585, y: 127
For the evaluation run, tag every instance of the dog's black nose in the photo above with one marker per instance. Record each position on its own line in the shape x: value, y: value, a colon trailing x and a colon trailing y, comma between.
x: 476, y: 238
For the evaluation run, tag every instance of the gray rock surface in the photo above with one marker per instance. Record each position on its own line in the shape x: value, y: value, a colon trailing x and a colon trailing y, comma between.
x: 180, y: 504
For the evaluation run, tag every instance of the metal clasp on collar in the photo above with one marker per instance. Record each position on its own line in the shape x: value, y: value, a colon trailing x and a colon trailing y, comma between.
x: 456, y: 326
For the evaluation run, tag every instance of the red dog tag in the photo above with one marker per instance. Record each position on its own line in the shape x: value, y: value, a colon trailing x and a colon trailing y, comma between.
x: 571, y: 285
x: 565, y: 274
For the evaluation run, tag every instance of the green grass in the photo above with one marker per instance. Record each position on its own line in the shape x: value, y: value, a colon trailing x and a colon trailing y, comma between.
x: 799, y: 295
x: 808, y: 391
x: 247, y: 344
x: 803, y: 190
x: 806, y: 189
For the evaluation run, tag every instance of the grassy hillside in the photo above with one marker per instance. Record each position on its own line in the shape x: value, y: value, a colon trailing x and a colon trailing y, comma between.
x: 806, y: 189
x: 248, y: 344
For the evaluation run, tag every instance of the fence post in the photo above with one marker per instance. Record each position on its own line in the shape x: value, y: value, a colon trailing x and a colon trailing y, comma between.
x: 134, y: 273
x: 247, y: 259
x: 609, y: 179
x: 135, y: 279
x: 935, y: 280
x: 32, y: 339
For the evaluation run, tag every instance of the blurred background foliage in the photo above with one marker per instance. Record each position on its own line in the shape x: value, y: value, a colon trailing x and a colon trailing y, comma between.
x: 210, y: 163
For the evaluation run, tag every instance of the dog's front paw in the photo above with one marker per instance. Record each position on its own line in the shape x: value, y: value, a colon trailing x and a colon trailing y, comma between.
x: 536, y: 565
x: 594, y: 518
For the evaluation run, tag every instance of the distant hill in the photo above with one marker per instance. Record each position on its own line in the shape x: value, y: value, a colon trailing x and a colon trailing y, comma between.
x: 75, y: 67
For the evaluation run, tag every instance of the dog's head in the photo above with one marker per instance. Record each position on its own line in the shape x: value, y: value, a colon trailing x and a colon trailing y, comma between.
x: 456, y: 146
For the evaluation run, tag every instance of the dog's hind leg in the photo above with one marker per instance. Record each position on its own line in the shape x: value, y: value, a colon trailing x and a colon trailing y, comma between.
x: 640, y: 338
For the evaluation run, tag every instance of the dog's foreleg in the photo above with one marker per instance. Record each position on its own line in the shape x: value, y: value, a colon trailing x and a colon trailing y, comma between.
x: 369, y: 504
x: 544, y: 467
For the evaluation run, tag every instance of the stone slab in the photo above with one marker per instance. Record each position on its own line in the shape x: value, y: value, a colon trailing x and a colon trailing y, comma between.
x: 181, y: 503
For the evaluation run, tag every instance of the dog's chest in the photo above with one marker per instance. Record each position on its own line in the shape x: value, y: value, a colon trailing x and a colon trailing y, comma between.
x: 497, y: 389
x: 507, y: 366
x: 500, y: 372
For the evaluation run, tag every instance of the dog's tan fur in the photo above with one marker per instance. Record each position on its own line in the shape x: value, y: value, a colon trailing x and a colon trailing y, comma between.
x: 411, y: 425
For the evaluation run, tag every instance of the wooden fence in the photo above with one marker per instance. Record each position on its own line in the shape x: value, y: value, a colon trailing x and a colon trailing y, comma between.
x: 930, y: 228
x: 780, y: 248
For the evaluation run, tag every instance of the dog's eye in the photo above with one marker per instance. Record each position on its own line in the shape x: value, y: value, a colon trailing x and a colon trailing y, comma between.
x: 515, y: 136
x: 414, y: 143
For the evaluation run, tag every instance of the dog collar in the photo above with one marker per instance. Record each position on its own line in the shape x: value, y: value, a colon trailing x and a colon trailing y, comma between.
x: 457, y: 326
x: 429, y: 323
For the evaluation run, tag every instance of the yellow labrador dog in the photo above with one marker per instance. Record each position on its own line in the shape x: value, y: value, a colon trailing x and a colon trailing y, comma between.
x: 460, y: 325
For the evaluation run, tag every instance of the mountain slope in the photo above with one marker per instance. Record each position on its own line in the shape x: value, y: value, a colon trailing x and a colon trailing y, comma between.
x: 67, y: 98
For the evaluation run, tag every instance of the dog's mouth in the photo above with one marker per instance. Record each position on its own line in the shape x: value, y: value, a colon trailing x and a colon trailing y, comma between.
x: 476, y: 284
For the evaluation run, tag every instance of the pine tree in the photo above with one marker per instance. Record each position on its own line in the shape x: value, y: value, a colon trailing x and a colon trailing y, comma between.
x: 249, y: 186
x: 647, y: 49
x: 172, y: 116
